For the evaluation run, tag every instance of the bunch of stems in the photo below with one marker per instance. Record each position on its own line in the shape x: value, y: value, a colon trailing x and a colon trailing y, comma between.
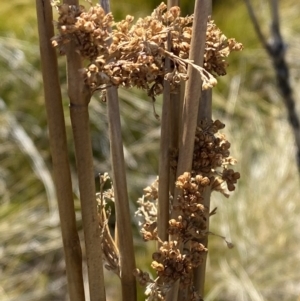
x: 178, y: 123
x: 195, y: 105
x: 79, y: 96
x: 59, y: 152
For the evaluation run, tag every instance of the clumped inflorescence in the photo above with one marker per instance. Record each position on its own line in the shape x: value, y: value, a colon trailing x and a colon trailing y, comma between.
x: 133, y: 55
x: 170, y: 262
x: 211, y: 159
x: 217, y: 48
x: 190, y: 225
x: 148, y: 211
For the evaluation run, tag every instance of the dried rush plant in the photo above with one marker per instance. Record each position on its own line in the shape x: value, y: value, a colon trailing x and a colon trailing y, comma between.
x: 157, y: 54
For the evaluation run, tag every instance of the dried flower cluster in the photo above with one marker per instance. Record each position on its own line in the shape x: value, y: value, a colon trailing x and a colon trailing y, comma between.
x: 147, y: 211
x: 210, y: 169
x: 191, y: 223
x: 172, y: 265
x: 212, y: 157
x: 134, y: 55
x: 217, y: 48
x: 88, y: 30
x: 170, y: 262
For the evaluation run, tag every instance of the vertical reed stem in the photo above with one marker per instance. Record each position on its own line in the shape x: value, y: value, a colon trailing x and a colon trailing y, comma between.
x: 176, y: 101
x: 205, y: 112
x: 124, y: 231
x: 193, y: 88
x: 59, y: 152
x: 173, y: 3
x: 79, y: 95
x: 164, y: 162
x: 125, y: 238
x: 191, y: 104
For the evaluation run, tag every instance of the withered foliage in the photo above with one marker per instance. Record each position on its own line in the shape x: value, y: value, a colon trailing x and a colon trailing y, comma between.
x: 110, y: 252
x: 133, y: 55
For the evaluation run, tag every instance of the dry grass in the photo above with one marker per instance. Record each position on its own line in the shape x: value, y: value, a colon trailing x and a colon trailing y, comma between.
x: 262, y: 219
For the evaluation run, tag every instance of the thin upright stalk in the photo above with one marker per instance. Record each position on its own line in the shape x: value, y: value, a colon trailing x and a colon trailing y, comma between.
x: 124, y: 230
x: 164, y: 162
x: 173, y: 3
x: 191, y: 103
x: 193, y: 88
x: 59, y: 152
x: 205, y: 105
x: 123, y: 221
x: 176, y: 100
x: 204, y: 113
x: 79, y: 95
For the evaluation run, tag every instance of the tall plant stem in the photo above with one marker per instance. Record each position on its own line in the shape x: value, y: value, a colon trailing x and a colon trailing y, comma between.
x: 79, y: 95
x: 193, y: 88
x: 164, y: 161
x: 205, y: 105
x: 124, y: 231
x: 176, y: 100
x: 173, y: 3
x: 59, y: 152
x: 205, y: 112
x: 191, y: 103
